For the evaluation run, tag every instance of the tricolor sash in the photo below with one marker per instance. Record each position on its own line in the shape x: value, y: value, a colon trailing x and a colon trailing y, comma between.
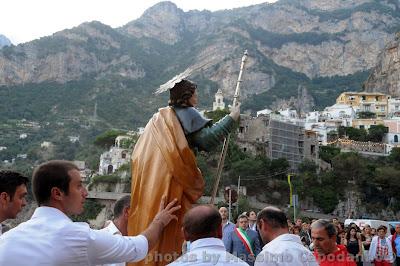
x: 245, y: 240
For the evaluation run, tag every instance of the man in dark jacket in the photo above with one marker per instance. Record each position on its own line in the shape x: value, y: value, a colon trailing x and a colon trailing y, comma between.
x: 243, y: 242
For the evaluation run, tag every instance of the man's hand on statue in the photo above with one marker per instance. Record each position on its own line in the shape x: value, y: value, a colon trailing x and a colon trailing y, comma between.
x: 235, y: 111
x: 165, y: 214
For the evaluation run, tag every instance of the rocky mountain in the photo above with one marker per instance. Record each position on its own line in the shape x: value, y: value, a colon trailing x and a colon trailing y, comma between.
x: 323, y: 46
x: 385, y: 77
x: 4, y: 41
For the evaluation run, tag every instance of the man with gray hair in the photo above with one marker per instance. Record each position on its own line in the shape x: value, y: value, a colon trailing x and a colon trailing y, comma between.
x: 119, y: 225
x: 326, y: 250
x: 282, y: 248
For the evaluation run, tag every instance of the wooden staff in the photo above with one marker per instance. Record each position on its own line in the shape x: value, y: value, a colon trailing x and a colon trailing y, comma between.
x: 226, y: 140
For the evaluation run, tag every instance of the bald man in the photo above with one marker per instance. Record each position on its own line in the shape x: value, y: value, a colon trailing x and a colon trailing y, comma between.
x: 202, y: 227
x: 227, y: 226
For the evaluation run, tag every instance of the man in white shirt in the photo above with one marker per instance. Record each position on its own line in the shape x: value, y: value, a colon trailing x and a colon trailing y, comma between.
x: 51, y: 238
x: 202, y: 227
x: 12, y: 195
x: 282, y: 248
x: 119, y: 225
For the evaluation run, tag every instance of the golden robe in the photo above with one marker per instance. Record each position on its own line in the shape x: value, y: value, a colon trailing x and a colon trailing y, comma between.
x: 163, y: 164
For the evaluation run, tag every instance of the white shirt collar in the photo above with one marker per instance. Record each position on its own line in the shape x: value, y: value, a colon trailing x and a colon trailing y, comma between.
x: 285, y: 237
x: 206, y: 242
x: 228, y: 222
x: 54, y: 213
x: 112, y: 229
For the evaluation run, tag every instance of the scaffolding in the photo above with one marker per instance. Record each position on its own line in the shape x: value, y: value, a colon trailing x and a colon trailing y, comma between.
x: 287, y: 141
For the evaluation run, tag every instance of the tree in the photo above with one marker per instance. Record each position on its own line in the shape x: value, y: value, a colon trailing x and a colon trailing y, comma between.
x: 107, y: 139
x: 388, y: 178
x: 394, y: 156
x: 348, y: 166
x: 327, y: 153
x: 217, y: 114
x: 376, y: 133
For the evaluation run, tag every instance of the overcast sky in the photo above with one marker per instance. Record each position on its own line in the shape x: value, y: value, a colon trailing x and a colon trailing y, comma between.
x: 25, y: 20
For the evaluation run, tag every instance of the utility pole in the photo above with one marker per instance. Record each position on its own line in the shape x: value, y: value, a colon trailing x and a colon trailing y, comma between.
x: 237, y: 202
x: 230, y: 204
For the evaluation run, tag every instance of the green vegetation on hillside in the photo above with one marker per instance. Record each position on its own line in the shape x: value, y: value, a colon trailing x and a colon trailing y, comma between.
x: 374, y: 134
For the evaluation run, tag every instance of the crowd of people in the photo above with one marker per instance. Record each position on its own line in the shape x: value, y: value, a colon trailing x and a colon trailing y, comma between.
x: 366, y: 246
x: 50, y: 237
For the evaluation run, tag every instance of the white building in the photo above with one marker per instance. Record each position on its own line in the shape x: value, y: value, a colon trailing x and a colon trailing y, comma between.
x: 393, y: 135
x: 22, y: 155
x: 264, y: 112
x: 322, y: 129
x: 73, y: 139
x: 312, y: 117
x: 23, y: 136
x: 219, y: 101
x: 339, y: 111
x: 2, y: 148
x: 394, y: 107
x: 113, y: 159
x: 289, y: 113
x: 46, y: 144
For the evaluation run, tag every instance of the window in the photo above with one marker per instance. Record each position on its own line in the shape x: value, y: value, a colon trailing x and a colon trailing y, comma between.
x: 363, y: 97
x: 396, y: 138
x: 312, y: 149
x: 110, y: 169
x: 362, y: 126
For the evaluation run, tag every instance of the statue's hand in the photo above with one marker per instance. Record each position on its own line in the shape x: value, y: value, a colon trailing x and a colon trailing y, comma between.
x: 235, y: 111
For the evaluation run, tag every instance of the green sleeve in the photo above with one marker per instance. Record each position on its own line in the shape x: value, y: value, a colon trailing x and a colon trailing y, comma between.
x: 209, y: 138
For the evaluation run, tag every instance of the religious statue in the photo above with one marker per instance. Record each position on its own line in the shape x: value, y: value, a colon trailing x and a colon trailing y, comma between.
x: 164, y: 164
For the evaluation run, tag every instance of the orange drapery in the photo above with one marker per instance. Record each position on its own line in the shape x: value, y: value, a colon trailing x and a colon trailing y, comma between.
x: 163, y: 164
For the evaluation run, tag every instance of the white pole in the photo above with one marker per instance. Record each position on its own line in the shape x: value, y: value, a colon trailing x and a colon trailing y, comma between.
x: 237, y: 202
x: 230, y: 204
x: 294, y: 209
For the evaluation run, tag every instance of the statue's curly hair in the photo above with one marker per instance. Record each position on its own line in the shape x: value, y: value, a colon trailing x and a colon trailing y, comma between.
x: 180, y: 94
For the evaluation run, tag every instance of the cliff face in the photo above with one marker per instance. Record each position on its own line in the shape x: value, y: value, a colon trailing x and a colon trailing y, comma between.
x: 67, y: 55
x: 385, y: 76
x: 4, y: 41
x: 324, y: 46
x: 317, y: 38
